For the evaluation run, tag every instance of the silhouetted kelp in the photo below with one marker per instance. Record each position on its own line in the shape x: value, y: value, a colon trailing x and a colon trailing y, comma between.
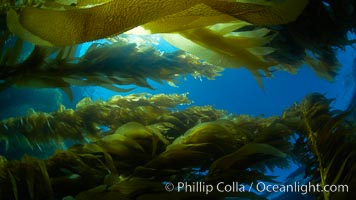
x: 319, y: 32
x: 326, y: 143
x: 134, y: 161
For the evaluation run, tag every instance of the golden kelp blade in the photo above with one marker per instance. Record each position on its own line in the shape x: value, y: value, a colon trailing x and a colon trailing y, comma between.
x: 90, y: 3
x: 80, y: 25
x: 15, y: 26
x: 224, y: 51
x: 198, y: 16
x: 262, y: 12
x: 217, y: 44
x: 214, y: 12
x: 219, y: 47
x: 75, y: 26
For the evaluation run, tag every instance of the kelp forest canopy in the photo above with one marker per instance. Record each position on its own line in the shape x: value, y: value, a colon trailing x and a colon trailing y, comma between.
x: 149, y: 141
x: 261, y: 35
x: 128, y: 146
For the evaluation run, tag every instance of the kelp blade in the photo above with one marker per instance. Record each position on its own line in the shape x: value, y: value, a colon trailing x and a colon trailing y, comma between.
x: 71, y: 26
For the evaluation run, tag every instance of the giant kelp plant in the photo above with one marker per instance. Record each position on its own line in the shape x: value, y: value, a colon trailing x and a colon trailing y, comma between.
x: 114, y: 17
x: 260, y: 35
x: 137, y: 155
x: 128, y: 147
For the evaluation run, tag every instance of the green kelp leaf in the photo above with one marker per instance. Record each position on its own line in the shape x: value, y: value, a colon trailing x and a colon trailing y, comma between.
x: 209, y: 148
x: 46, y: 178
x: 120, y: 145
x: 41, y: 82
x: 70, y: 27
x: 276, y: 135
x: 198, y: 16
x: 115, y: 88
x: 14, y: 25
x: 170, y: 101
x: 262, y: 12
x: 213, y: 12
x: 221, y: 133
x: 30, y: 174
x: 84, y: 3
x: 3, y: 172
x: 13, y: 184
x: 218, y: 46
x: 66, y: 53
x: 208, y: 132
x: 243, y: 155
x: 321, y: 68
x: 134, y: 130
x: 108, y: 66
x: 349, y: 157
x: 114, y: 17
x: 220, y: 50
x: 141, y: 134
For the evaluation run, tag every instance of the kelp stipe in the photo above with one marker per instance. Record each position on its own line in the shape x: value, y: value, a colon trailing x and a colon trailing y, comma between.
x: 330, y: 139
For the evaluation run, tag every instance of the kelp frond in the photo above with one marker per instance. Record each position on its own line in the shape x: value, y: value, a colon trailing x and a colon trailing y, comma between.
x: 322, y: 29
x: 133, y: 159
x: 85, y: 121
x: 69, y: 27
x: 295, y: 35
x: 331, y: 140
x: 281, y: 34
x: 109, y: 18
x: 226, y: 48
x: 105, y: 65
x: 137, y: 153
